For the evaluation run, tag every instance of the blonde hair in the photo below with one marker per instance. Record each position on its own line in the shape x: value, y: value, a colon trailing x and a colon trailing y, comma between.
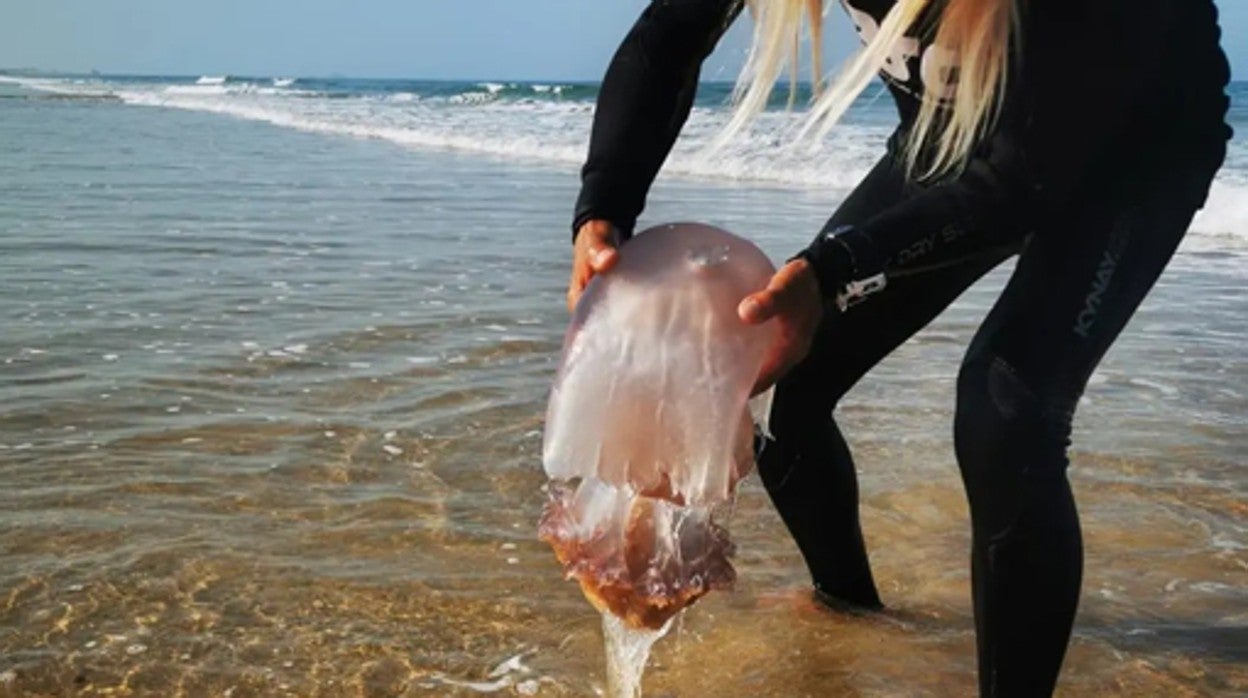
x: 975, y: 33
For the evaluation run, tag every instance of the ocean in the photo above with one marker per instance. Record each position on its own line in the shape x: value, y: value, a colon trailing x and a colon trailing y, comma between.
x: 272, y: 379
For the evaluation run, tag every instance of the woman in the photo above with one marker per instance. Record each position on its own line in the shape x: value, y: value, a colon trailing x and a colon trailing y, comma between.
x: 1081, y: 136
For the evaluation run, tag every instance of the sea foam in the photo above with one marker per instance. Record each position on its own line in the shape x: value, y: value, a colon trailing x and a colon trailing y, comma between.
x: 540, y: 124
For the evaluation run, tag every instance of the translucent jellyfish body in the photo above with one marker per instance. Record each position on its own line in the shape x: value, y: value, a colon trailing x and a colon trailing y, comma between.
x: 648, y: 429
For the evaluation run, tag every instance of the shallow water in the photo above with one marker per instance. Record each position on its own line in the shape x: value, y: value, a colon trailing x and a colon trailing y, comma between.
x: 270, y: 417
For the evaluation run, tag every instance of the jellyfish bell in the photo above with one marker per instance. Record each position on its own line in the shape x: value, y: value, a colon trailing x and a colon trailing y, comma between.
x: 647, y: 429
x: 657, y: 366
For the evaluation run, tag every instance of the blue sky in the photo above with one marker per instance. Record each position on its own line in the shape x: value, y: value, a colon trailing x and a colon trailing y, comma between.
x: 478, y: 39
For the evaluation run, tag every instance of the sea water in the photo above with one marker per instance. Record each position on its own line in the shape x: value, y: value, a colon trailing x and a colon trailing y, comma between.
x: 272, y: 374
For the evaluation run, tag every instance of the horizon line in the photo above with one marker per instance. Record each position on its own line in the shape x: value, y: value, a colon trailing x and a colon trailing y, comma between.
x: 28, y: 71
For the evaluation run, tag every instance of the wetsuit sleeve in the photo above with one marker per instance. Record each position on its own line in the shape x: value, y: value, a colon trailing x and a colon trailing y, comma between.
x: 645, y: 98
x: 1068, y: 115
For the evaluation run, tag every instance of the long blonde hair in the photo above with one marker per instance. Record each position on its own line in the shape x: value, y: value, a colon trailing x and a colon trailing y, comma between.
x: 976, y: 34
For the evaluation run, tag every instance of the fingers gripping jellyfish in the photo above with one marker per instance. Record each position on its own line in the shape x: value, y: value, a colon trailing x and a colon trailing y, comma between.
x: 648, y: 429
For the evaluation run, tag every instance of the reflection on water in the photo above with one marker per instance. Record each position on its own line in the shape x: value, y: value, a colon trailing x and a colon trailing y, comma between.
x: 266, y: 429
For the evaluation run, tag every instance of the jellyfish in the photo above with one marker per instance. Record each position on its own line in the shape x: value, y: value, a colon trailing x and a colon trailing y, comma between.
x: 648, y: 428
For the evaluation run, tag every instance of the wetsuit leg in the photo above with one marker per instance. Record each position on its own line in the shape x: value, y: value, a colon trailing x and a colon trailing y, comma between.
x: 1071, y: 293
x: 808, y: 470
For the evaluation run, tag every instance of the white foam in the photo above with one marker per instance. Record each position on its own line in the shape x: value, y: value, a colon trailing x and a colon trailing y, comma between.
x: 199, y: 88
x: 283, y: 82
x: 540, y: 131
x: 555, y: 132
x: 59, y: 86
x: 1224, y: 219
x: 474, y: 97
x: 419, y: 130
x: 242, y: 88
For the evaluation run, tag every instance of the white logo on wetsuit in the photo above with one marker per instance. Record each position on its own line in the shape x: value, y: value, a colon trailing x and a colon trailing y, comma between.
x: 938, y: 69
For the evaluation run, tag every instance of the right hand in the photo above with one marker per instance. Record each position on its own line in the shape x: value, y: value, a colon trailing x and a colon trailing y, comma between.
x: 594, y: 253
x: 793, y: 298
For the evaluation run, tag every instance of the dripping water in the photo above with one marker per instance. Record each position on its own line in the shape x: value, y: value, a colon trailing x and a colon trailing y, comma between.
x: 627, y: 651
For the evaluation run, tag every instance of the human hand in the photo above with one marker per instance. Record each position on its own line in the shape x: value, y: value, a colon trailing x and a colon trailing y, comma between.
x: 593, y: 253
x: 793, y: 298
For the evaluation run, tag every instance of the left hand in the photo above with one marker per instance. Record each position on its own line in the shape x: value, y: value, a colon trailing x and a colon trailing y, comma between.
x: 794, y: 299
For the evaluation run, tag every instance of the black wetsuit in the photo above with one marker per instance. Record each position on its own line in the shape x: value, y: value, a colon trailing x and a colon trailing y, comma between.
x: 1110, y: 133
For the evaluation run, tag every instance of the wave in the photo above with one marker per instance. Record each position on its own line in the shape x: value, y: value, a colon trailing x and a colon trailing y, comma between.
x: 549, y: 89
x: 546, y: 133
x: 473, y: 98
x: 284, y: 82
x: 235, y: 89
x: 201, y: 89
x: 484, y: 92
x: 359, y: 124
x: 59, y: 86
x: 1225, y: 215
x: 212, y: 80
x: 519, y: 122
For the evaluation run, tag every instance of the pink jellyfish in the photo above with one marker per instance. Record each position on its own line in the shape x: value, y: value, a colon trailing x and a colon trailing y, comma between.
x: 648, y: 429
